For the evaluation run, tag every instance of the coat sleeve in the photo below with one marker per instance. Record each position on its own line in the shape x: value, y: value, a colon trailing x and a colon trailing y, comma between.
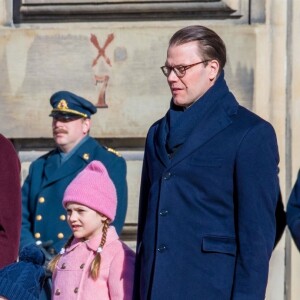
x: 26, y: 231
x: 118, y: 172
x: 120, y: 281
x: 144, y: 192
x: 10, y: 203
x: 293, y: 212
x: 256, y: 195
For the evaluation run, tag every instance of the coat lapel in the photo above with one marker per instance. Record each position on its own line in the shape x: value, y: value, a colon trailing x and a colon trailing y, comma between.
x: 160, y: 142
x: 51, y: 165
x: 216, y: 120
x: 54, y: 172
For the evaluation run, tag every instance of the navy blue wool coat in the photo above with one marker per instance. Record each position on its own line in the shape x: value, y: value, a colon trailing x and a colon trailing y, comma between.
x: 43, y: 216
x: 206, y: 225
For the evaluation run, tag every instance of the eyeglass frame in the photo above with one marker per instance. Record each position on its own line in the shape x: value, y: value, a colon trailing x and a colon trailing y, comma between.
x: 184, y: 68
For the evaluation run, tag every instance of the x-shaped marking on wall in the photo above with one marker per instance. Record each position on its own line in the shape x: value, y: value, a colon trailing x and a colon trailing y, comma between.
x: 101, y: 50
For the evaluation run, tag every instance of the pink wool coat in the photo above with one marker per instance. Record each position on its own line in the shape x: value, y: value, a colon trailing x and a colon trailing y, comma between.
x: 71, y: 278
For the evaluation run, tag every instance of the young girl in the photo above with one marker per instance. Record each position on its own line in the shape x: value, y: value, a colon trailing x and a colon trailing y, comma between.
x: 94, y: 264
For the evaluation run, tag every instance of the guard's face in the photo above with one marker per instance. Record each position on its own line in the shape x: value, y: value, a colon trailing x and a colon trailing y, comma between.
x: 197, y: 79
x: 85, y: 223
x: 68, y: 133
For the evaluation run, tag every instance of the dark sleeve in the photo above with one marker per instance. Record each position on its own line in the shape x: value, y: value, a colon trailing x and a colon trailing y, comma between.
x: 10, y: 203
x: 257, y: 192
x: 293, y: 212
x: 117, y: 172
x: 26, y: 231
x: 144, y: 191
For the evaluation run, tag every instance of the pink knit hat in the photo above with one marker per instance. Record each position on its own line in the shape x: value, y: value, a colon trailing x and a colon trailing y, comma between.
x: 93, y: 187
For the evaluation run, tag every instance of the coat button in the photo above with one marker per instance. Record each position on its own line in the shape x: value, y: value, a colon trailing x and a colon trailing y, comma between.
x: 167, y: 176
x: 41, y: 199
x: 86, y: 156
x: 57, y: 292
x: 62, y: 217
x: 81, y: 266
x: 162, y: 248
x: 52, y: 251
x: 76, y: 290
x: 39, y: 217
x: 63, y: 266
x: 60, y: 235
x: 37, y: 235
x: 163, y: 212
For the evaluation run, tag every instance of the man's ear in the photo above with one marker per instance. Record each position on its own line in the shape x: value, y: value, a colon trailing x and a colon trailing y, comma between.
x: 86, y: 125
x: 214, y: 69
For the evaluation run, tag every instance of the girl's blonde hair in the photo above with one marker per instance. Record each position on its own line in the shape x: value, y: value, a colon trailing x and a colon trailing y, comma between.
x: 95, y: 264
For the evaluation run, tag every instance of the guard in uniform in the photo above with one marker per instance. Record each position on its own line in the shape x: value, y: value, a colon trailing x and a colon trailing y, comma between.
x: 43, y: 216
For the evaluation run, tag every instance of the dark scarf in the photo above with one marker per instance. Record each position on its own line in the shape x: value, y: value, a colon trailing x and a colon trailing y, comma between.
x: 180, y: 123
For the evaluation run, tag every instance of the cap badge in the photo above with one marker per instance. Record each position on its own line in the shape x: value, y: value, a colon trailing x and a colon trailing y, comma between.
x: 62, y: 104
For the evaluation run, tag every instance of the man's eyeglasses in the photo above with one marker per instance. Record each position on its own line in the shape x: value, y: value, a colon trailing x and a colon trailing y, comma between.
x: 179, y: 70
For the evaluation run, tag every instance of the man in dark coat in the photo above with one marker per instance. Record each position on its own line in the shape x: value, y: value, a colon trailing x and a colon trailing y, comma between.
x: 10, y: 203
x: 209, y: 188
x: 44, y: 219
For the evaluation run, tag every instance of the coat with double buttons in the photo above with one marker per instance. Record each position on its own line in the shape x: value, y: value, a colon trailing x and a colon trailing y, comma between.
x: 43, y: 216
x: 206, y: 225
x: 71, y: 279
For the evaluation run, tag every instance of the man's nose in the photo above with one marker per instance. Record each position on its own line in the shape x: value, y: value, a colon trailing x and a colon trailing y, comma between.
x: 57, y: 123
x: 172, y: 76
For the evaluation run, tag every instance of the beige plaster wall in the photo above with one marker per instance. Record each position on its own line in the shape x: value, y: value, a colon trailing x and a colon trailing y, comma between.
x: 35, y: 63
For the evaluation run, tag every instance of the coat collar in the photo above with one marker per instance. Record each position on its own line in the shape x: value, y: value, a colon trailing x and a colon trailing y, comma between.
x: 53, y: 170
x: 217, y: 118
x: 94, y: 243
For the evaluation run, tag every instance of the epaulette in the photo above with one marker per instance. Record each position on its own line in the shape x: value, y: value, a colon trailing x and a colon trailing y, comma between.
x: 113, y: 151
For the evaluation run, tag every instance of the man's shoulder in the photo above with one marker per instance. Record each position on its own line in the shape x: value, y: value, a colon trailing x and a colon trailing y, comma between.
x: 252, y: 119
x: 45, y: 156
x: 100, y: 151
x: 113, y: 151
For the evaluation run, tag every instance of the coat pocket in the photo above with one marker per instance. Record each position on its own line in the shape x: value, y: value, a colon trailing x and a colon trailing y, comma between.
x: 219, y: 244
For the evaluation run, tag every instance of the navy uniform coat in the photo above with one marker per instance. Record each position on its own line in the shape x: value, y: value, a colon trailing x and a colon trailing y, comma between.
x: 207, y: 216
x: 43, y: 216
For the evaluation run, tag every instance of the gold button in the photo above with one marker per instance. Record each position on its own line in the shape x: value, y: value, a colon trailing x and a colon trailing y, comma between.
x: 39, y: 217
x: 63, y: 266
x: 82, y: 266
x: 37, y: 235
x: 86, y: 156
x: 57, y: 292
x: 76, y: 290
x: 41, y: 199
x: 60, y: 235
x: 62, y: 217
